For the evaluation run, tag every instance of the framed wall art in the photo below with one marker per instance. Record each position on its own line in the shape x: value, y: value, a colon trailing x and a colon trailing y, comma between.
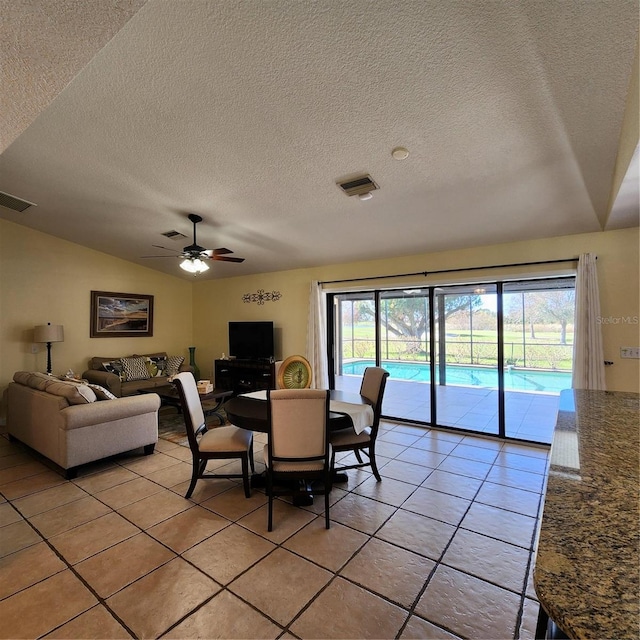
x: 121, y: 315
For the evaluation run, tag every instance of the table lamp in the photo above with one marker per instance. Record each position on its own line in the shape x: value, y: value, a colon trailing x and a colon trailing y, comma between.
x: 48, y: 333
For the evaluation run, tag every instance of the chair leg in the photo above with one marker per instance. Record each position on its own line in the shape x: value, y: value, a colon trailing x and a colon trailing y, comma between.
x: 194, y: 478
x: 253, y: 467
x: 245, y: 475
x: 327, y: 522
x: 270, y: 496
x: 357, y: 452
x: 374, y: 466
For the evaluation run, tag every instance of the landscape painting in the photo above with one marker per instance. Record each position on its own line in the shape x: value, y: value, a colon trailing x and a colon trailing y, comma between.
x: 121, y: 315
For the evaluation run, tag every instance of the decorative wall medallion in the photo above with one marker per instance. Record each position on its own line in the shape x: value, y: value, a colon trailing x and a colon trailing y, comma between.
x: 260, y: 296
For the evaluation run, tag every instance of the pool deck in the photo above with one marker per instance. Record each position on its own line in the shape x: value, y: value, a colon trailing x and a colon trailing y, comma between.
x: 529, y: 416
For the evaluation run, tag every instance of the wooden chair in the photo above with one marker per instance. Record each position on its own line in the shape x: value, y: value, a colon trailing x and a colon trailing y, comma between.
x: 372, y: 387
x: 298, y: 448
x: 215, y: 444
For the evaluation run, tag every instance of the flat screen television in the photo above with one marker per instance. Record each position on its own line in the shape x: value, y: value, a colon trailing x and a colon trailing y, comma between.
x: 251, y: 340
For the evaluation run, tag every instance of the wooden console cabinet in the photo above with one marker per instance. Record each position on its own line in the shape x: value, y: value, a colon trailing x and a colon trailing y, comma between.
x: 244, y: 376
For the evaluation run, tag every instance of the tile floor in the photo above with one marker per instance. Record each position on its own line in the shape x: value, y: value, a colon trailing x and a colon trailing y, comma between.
x: 441, y: 548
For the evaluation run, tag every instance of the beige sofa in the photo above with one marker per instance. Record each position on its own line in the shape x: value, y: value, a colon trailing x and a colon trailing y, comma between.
x: 67, y: 424
x: 120, y: 384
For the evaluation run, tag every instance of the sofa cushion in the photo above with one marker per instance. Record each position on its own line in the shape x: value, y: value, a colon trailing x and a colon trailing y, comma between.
x: 101, y: 392
x: 135, y: 369
x: 156, y: 365
x: 114, y: 366
x: 173, y: 365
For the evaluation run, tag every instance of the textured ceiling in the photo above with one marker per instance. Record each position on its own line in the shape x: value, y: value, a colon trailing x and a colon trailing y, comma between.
x: 248, y: 112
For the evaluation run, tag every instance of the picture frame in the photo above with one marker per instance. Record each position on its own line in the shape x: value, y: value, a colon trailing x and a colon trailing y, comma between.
x: 121, y: 315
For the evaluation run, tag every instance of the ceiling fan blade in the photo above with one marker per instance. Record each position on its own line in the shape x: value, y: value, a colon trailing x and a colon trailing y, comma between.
x: 227, y: 259
x: 159, y: 246
x: 174, y: 257
x: 219, y: 252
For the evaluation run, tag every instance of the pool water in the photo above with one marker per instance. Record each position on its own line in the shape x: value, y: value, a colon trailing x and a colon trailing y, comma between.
x: 514, y: 379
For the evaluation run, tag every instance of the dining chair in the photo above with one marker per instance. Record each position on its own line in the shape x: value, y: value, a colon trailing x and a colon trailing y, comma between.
x: 298, y: 449
x: 218, y: 443
x: 372, y: 387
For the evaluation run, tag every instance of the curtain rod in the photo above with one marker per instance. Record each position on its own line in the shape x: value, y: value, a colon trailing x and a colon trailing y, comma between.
x: 429, y: 273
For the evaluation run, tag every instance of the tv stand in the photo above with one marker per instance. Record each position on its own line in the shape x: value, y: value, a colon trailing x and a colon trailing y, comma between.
x: 244, y: 376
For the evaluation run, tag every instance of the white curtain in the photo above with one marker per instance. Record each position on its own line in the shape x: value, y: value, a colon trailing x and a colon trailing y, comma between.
x: 588, y: 354
x: 317, y: 336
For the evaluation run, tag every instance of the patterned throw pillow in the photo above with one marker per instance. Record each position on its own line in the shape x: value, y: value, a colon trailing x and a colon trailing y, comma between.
x: 115, y: 366
x: 101, y: 392
x: 156, y: 365
x: 135, y: 368
x: 173, y: 365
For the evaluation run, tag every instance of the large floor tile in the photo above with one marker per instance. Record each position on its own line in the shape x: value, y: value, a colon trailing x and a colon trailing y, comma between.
x: 188, y: 528
x: 330, y: 548
x: 96, y: 623
x: 128, y: 492
x: 225, y: 617
x: 91, y: 538
x: 154, y: 508
x: 419, y: 629
x: 488, y: 559
x: 293, y: 582
x: 453, y: 484
x: 389, y: 491
x: 26, y: 567
x: 287, y: 519
x: 361, y: 513
x: 417, y: 533
x: 44, y: 606
x: 228, y: 553
x: 437, y: 505
x: 120, y: 565
x: 96, y: 482
x: 390, y: 571
x: 67, y: 516
x: 406, y: 472
x: 497, y: 495
x: 232, y: 504
x: 17, y: 535
x: 49, y: 499
x: 345, y: 610
x: 504, y: 525
x: 469, y: 607
x: 161, y: 598
x: 31, y: 484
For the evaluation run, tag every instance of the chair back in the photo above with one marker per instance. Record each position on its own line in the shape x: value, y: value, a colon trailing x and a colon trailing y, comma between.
x: 298, y: 434
x: 372, y: 388
x: 191, y: 406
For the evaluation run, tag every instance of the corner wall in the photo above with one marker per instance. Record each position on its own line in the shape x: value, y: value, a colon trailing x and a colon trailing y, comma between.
x: 45, y: 279
x: 216, y: 302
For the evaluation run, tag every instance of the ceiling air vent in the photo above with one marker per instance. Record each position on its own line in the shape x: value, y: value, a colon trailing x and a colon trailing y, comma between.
x: 11, y: 202
x: 358, y: 185
x: 174, y: 235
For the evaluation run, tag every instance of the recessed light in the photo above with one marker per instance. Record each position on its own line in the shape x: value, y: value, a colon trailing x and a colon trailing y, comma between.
x: 400, y: 153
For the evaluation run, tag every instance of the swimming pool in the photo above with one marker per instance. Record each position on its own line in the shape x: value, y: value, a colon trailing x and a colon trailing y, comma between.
x: 514, y: 379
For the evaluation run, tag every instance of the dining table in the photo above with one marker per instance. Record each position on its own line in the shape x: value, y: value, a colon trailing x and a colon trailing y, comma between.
x: 347, y: 410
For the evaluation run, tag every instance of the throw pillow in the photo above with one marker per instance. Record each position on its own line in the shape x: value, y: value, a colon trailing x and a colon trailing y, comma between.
x: 173, y: 365
x: 135, y: 368
x: 156, y: 365
x: 115, y: 366
x: 101, y: 392
x: 74, y: 393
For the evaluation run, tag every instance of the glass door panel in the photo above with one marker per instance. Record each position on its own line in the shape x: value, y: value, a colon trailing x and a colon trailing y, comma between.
x: 538, y: 354
x: 404, y: 352
x: 467, y: 357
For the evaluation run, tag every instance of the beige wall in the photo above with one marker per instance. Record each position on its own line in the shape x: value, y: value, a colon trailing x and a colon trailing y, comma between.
x: 44, y: 279
x: 217, y: 302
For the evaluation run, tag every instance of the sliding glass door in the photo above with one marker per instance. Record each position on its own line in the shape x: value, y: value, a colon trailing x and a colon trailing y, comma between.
x: 486, y: 358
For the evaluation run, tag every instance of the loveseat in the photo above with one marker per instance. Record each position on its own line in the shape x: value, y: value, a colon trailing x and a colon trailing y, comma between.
x: 125, y: 376
x: 65, y: 422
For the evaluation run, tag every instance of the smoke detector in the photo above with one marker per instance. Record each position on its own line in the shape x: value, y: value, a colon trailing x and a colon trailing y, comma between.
x: 360, y: 186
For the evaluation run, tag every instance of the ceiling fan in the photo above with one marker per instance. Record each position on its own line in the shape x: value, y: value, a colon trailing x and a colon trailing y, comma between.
x: 194, y: 256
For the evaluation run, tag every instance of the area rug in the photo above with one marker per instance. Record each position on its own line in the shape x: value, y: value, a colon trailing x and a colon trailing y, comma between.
x: 171, y: 425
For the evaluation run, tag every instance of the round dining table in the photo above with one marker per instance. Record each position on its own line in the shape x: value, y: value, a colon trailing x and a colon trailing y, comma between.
x: 251, y: 413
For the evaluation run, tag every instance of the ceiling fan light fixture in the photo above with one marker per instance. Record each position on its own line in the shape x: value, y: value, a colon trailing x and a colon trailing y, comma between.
x: 194, y: 265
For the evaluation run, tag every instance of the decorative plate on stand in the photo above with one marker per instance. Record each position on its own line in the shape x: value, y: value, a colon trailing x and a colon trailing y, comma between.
x: 294, y: 373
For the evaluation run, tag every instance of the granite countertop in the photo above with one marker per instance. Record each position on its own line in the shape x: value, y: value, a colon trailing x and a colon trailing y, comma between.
x: 587, y: 571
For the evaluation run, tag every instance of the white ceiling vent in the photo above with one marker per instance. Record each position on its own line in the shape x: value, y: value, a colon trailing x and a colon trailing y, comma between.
x: 358, y: 186
x: 174, y: 235
x: 11, y: 202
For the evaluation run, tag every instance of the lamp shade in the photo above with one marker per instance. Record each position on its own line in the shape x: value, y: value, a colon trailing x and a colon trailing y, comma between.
x: 48, y: 333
